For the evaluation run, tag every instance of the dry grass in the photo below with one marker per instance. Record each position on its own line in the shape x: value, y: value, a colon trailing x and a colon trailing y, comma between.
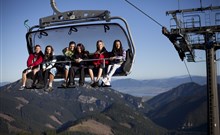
x: 6, y: 117
x: 92, y: 126
x: 55, y: 119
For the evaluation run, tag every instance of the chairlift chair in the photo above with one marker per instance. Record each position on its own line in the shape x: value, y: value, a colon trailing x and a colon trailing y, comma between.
x: 82, y: 26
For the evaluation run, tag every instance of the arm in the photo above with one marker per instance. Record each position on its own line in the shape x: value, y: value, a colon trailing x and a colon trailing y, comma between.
x: 51, y: 63
x: 38, y: 61
x: 123, y: 57
x: 64, y: 50
x: 30, y: 60
x: 77, y: 59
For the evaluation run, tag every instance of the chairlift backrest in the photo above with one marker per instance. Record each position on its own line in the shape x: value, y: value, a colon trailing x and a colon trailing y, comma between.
x: 86, y: 34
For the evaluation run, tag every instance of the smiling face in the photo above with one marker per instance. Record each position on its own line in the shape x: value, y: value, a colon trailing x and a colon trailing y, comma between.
x: 79, y: 49
x: 37, y: 49
x: 48, y: 50
x: 71, y: 47
x: 117, y: 45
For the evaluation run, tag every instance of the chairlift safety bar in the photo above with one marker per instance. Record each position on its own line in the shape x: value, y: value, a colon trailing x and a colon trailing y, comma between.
x: 86, y: 60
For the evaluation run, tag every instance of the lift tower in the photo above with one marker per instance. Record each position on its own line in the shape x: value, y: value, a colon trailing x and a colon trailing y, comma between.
x: 199, y: 28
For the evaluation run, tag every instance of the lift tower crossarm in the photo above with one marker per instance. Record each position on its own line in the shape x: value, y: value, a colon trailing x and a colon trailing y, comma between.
x: 193, y: 10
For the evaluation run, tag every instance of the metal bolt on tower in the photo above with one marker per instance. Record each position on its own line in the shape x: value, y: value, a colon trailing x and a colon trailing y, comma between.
x: 191, y: 23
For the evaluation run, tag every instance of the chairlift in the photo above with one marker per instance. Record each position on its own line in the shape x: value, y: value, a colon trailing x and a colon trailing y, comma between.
x: 82, y: 26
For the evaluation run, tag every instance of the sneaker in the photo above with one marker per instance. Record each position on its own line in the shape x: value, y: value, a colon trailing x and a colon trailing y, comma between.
x: 71, y: 85
x: 81, y: 84
x: 64, y: 85
x: 95, y: 84
x: 22, y: 88
x: 104, y: 79
x: 49, y: 89
x: 33, y: 86
x: 105, y: 84
x: 92, y: 82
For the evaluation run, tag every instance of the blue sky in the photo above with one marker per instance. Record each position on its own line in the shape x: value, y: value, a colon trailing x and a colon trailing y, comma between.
x: 155, y: 55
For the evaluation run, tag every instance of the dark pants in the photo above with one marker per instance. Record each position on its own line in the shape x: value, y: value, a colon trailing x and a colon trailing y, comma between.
x: 72, y: 74
x: 43, y: 76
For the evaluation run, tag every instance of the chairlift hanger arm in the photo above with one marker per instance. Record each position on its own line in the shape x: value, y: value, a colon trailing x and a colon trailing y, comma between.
x: 74, y: 16
x: 54, y: 7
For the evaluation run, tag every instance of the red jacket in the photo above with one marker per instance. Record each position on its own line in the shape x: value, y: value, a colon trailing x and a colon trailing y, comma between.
x: 100, y: 56
x: 35, y: 59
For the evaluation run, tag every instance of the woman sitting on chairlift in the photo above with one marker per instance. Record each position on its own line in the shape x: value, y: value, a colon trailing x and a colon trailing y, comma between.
x: 48, y: 70
x: 118, y: 56
x: 79, y: 65
x: 100, y: 53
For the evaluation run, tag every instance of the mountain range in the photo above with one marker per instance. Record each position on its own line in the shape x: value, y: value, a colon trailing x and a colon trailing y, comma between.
x: 71, y: 110
x: 101, y: 110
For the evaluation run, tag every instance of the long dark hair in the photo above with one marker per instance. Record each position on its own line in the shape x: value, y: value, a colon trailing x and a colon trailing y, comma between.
x: 46, y: 55
x: 116, y: 51
x: 81, y: 46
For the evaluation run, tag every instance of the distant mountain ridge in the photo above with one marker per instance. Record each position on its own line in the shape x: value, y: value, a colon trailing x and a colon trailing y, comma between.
x: 153, y: 87
x: 3, y: 83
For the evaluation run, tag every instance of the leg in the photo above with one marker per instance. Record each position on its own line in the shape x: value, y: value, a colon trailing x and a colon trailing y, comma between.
x: 24, y: 77
x: 82, y: 76
x: 72, y: 75
x: 109, y: 68
x: 35, y: 75
x: 50, y: 88
x: 91, y: 74
x: 99, y: 74
x: 40, y: 76
x: 52, y: 74
x: 115, y: 66
x: 105, y: 79
x: 46, y: 76
x: 42, y: 79
x: 51, y: 78
x: 66, y: 74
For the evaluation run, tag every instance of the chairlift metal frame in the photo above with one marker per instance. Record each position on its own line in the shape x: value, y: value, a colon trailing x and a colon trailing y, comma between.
x: 79, y: 17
